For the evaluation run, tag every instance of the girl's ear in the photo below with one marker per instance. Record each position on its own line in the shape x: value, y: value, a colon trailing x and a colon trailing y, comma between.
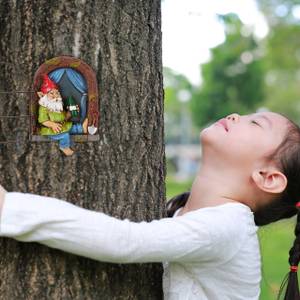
x: 270, y: 181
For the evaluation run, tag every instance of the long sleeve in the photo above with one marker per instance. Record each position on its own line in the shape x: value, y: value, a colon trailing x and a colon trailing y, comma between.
x: 43, y: 115
x: 62, y: 225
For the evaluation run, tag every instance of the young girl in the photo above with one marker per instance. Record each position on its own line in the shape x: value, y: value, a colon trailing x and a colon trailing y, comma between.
x: 208, y: 244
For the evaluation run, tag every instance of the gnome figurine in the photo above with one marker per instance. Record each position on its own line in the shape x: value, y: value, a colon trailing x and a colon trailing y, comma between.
x: 54, y: 120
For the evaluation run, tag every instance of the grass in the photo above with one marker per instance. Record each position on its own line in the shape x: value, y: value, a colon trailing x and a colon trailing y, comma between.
x: 276, y: 240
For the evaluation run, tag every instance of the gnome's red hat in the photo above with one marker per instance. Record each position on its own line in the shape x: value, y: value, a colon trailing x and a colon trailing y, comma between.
x: 47, y: 84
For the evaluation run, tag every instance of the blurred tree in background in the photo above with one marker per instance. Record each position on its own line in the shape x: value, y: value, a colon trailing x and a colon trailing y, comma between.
x: 244, y: 73
x: 176, y: 86
x: 233, y: 78
x: 282, y: 56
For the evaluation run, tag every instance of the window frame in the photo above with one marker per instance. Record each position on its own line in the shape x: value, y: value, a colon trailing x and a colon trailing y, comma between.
x: 92, y: 95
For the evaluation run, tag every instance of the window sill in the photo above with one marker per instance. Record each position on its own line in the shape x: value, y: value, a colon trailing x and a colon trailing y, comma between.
x: 75, y: 138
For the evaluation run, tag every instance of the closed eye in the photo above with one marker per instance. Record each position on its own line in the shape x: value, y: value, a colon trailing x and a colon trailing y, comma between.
x: 255, y: 122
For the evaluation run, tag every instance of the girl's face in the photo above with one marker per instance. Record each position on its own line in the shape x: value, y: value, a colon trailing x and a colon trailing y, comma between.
x: 248, y: 138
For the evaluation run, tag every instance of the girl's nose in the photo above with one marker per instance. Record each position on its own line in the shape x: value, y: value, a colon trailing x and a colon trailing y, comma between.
x: 233, y: 117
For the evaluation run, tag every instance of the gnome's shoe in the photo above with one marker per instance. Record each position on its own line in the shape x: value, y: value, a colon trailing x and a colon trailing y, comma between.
x: 85, y: 125
x: 67, y: 151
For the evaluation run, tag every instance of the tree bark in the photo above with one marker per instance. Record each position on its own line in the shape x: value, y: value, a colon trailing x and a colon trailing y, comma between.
x: 122, y: 174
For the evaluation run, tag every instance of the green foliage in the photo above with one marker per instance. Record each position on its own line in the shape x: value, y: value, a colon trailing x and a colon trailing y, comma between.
x: 282, y: 57
x: 174, y: 187
x: 279, y: 11
x: 283, y: 47
x: 174, y: 84
x: 276, y: 240
x: 233, y: 79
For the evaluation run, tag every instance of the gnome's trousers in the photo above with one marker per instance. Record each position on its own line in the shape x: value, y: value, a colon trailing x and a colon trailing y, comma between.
x: 64, y: 138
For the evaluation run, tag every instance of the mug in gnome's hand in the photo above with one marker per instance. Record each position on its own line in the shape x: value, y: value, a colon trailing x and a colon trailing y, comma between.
x: 54, y: 119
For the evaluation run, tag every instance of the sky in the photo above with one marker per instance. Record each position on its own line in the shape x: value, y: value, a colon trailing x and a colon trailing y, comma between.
x: 190, y: 28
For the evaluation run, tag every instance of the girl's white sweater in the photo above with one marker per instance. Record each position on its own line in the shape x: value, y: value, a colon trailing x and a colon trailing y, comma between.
x: 211, y: 253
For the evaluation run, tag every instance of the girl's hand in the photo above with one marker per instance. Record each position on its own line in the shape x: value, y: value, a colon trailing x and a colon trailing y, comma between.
x: 2, y: 196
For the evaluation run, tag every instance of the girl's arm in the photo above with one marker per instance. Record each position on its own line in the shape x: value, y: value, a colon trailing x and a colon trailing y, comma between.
x: 62, y: 225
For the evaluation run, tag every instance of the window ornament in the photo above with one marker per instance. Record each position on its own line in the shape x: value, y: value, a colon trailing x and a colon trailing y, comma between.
x: 64, y: 105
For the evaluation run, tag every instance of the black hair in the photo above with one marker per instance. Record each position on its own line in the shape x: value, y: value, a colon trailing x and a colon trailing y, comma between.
x: 287, y: 158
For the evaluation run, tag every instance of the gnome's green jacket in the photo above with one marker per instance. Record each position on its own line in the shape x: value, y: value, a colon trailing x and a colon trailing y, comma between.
x: 59, y: 117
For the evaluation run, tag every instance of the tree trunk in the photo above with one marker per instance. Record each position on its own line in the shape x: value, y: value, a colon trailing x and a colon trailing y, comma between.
x: 122, y: 174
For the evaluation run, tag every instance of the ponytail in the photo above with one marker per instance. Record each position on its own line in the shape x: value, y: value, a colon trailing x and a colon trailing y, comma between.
x: 292, y: 290
x: 176, y: 202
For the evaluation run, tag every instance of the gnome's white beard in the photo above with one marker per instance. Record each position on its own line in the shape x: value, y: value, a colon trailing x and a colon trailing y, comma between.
x: 52, y: 105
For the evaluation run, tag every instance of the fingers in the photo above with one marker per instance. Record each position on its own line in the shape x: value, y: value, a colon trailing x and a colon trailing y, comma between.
x: 57, y: 127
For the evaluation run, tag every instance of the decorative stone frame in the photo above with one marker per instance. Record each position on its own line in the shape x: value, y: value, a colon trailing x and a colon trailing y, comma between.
x: 92, y: 90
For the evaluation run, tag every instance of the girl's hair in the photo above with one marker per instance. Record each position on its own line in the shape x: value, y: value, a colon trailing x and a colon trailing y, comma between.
x: 287, y: 158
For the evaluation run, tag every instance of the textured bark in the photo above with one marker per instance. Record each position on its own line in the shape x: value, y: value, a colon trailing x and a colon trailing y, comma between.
x: 122, y: 174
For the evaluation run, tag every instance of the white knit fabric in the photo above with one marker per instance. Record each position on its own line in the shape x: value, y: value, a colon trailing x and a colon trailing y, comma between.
x: 210, y: 254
